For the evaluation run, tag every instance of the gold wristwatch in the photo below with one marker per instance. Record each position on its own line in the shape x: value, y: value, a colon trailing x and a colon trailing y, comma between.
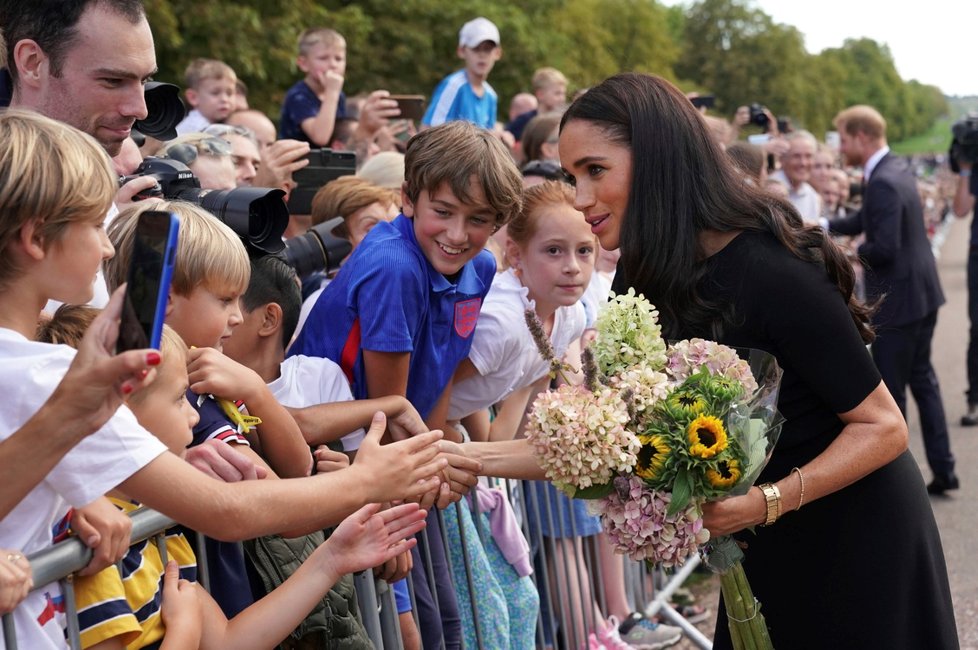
x: 772, y: 497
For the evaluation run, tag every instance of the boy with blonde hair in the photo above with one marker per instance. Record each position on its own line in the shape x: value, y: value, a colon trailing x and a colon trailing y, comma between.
x: 210, y: 87
x: 210, y: 273
x: 144, y: 599
x: 55, y: 186
x: 399, y: 316
x: 313, y: 104
x: 466, y: 94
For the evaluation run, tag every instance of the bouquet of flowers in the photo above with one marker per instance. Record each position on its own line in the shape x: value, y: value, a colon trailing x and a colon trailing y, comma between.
x: 657, y: 430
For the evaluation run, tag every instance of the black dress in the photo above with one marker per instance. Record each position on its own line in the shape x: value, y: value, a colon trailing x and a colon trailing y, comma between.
x: 861, y: 568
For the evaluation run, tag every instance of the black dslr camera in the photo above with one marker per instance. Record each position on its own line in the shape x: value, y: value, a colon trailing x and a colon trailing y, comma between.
x: 324, y: 166
x: 758, y: 115
x: 256, y: 214
x: 318, y: 249
x: 964, y: 146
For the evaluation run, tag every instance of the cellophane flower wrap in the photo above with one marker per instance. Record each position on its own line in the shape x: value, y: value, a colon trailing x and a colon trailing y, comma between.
x: 656, y: 431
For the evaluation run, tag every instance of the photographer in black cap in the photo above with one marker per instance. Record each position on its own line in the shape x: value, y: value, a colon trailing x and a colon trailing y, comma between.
x: 963, y: 154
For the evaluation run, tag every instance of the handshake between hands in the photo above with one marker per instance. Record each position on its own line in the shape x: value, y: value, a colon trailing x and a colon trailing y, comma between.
x: 417, y: 466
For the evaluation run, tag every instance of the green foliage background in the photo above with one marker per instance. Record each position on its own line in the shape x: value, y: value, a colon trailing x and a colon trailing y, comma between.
x: 723, y: 47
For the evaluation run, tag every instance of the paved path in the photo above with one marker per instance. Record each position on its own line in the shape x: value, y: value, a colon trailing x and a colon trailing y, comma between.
x: 957, y: 515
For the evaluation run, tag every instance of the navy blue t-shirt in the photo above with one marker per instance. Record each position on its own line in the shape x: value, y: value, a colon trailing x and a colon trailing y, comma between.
x: 301, y: 103
x: 227, y: 570
x: 519, y: 123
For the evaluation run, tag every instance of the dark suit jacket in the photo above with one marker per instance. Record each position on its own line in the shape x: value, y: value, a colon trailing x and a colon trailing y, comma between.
x: 897, y: 254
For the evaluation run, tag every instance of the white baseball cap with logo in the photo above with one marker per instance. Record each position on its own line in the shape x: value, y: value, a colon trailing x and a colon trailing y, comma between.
x: 476, y: 31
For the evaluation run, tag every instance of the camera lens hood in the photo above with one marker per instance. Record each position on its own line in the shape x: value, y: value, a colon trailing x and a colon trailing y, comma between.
x: 165, y: 111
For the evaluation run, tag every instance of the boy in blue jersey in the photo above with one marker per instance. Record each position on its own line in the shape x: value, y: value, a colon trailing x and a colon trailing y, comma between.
x: 466, y: 94
x: 399, y: 316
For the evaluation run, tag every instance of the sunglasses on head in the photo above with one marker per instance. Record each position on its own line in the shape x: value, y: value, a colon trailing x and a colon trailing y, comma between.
x: 187, y: 152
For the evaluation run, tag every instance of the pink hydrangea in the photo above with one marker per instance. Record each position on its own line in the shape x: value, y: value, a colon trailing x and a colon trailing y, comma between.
x: 634, y: 518
x: 579, y: 437
x: 686, y: 357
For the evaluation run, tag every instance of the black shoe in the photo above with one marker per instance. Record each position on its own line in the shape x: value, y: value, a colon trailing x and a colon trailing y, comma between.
x: 970, y: 418
x: 942, y: 483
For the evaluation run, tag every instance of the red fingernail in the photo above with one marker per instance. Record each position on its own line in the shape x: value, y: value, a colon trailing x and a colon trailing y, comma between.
x: 143, y: 373
x: 153, y: 358
x: 126, y: 389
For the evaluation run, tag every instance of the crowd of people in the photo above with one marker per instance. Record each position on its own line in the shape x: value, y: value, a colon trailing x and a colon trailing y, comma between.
x: 322, y: 420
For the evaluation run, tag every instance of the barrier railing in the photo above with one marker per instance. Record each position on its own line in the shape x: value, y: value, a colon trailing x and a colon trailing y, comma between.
x: 558, y: 625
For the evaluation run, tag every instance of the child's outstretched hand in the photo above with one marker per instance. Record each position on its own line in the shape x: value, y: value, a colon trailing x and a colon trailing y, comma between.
x: 369, y: 537
x: 399, y: 470
x: 181, y: 609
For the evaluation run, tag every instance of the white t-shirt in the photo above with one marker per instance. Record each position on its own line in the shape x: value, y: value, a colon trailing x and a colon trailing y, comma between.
x: 194, y: 122
x: 29, y: 373
x: 307, y: 381
x: 503, y: 350
x: 596, y: 295
x: 805, y: 199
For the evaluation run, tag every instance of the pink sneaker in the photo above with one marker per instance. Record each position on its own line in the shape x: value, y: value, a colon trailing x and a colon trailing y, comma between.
x: 609, y: 638
x: 594, y: 644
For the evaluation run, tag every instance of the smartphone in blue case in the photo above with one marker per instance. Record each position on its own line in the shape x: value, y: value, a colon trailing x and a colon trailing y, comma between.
x: 154, y: 250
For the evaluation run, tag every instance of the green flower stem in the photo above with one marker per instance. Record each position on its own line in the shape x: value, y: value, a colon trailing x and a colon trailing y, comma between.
x: 758, y: 625
x: 735, y: 607
x: 749, y: 630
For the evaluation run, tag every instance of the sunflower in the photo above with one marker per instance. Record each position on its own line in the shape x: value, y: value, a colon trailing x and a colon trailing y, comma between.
x: 707, y: 436
x: 726, y: 474
x: 687, y: 401
x: 652, y: 457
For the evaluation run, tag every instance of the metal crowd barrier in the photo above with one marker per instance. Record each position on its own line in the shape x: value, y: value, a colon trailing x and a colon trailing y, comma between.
x: 58, y: 563
x: 556, y: 626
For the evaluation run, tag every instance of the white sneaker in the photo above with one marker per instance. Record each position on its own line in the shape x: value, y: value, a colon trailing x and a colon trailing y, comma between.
x: 643, y: 634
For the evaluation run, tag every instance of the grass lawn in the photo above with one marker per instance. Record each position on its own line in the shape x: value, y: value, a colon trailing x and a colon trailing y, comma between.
x: 936, y: 140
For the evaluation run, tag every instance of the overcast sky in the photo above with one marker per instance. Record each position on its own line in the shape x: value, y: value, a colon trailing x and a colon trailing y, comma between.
x: 932, y: 41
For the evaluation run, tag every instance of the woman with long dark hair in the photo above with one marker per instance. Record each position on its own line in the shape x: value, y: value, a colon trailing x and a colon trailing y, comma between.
x: 855, y: 561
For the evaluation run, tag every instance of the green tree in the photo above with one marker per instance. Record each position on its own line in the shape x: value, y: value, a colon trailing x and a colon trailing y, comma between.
x: 742, y: 56
x: 604, y: 37
x: 725, y: 47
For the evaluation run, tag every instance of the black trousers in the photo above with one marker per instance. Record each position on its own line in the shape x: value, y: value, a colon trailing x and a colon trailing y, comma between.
x: 902, y: 354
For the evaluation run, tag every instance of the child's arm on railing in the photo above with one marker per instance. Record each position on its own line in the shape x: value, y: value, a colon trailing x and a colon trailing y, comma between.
x: 103, y: 528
